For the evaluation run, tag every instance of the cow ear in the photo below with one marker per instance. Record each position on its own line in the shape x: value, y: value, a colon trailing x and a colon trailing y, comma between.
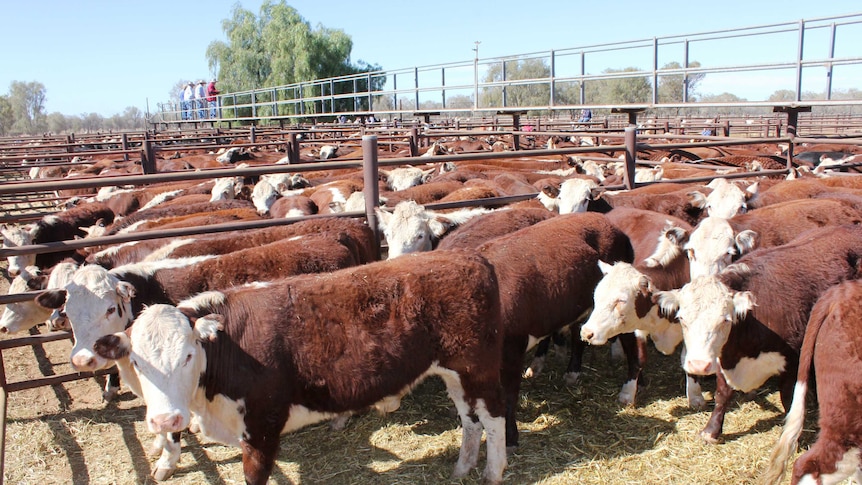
x: 440, y: 225
x: 551, y: 190
x: 743, y: 302
x: 605, y: 267
x: 52, y: 299
x: 675, y: 234
x: 668, y: 301
x: 114, y: 346
x: 126, y: 291
x: 644, y: 285
x: 37, y: 282
x: 383, y: 218
x: 745, y: 241
x: 697, y: 199
x: 208, y: 326
x: 596, y: 192
x: 385, y: 174
x: 752, y: 190
x: 426, y: 174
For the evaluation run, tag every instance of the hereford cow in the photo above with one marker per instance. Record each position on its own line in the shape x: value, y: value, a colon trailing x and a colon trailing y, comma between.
x: 830, y: 346
x: 547, y: 273
x: 733, y: 324
x: 250, y: 375
x: 23, y: 315
x: 411, y: 228
x: 716, y: 241
x: 62, y: 226
x: 622, y: 299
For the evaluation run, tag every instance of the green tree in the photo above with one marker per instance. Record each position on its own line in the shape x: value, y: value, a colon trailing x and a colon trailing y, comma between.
x: 670, y: 86
x: 28, y: 106
x: 280, y: 47
x: 6, y: 117
x: 619, y: 90
x: 517, y: 93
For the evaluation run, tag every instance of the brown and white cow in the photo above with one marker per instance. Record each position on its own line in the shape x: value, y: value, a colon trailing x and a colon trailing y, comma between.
x: 831, y: 343
x: 411, y: 228
x: 547, y: 273
x: 62, y: 226
x: 716, y: 241
x: 23, y: 315
x: 318, y: 351
x: 746, y: 323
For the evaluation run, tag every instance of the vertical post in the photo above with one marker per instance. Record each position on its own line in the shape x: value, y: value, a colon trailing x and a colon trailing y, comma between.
x: 70, y: 139
x: 553, y: 83
x: 476, y: 76
x: 581, y: 87
x: 416, y: 86
x: 148, y: 156
x: 372, y: 190
x: 252, y: 136
x: 503, y: 71
x: 414, y: 141
x: 654, y: 70
x: 516, y: 127
x: 685, y: 74
x: 799, y: 61
x: 829, y: 64
x: 292, y: 149
x: 443, y: 83
x: 4, y: 394
x: 631, y: 156
x: 125, y: 145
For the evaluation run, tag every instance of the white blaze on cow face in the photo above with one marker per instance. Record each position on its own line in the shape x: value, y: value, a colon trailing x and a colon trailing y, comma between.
x: 225, y: 188
x: 409, y: 228
x: 712, y: 246
x: 706, y: 309
x: 263, y: 196
x: 615, y: 312
x: 13, y: 237
x: 575, y: 194
x: 727, y: 199
x: 406, y: 177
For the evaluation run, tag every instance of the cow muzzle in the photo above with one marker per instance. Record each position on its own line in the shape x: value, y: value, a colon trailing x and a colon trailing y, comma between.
x: 701, y: 367
x: 167, y: 422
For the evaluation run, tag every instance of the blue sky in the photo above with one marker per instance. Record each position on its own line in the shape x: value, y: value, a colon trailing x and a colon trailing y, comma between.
x: 103, y: 56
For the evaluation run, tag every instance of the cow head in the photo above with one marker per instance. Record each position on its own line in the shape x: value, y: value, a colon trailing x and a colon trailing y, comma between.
x: 727, y: 199
x: 706, y: 308
x: 621, y: 290
x: 712, y: 246
x: 575, y: 194
x: 410, y: 228
x: 22, y: 315
x: 226, y: 188
x: 163, y: 347
x: 669, y: 247
x: 96, y: 303
x: 406, y: 177
x: 16, y: 236
x: 263, y: 196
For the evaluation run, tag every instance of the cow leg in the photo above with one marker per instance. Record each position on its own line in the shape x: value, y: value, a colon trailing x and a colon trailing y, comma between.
x: 539, y: 357
x: 485, y: 408
x: 827, y: 461
x: 167, y: 464
x: 112, y: 387
x: 576, y: 359
x: 692, y: 387
x: 514, y: 349
x: 723, y: 394
x: 634, y: 358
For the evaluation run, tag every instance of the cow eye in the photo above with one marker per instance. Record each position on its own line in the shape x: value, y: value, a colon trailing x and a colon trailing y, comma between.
x: 188, y: 359
x: 111, y: 310
x: 134, y: 363
x: 690, y: 254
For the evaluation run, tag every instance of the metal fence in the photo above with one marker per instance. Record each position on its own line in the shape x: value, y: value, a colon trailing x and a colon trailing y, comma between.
x: 813, y: 62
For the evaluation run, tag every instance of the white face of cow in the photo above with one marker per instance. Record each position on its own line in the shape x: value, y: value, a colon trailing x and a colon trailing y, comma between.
x: 614, y: 303
x: 409, y: 228
x: 13, y: 237
x: 224, y: 188
x: 22, y: 315
x: 406, y: 177
x: 706, y: 309
x: 575, y: 194
x: 726, y: 199
x: 710, y: 247
x: 167, y: 357
x: 97, y: 304
x: 263, y: 196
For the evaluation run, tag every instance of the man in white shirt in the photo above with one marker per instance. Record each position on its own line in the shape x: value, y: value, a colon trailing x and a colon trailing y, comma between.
x: 186, y: 99
x: 201, y: 99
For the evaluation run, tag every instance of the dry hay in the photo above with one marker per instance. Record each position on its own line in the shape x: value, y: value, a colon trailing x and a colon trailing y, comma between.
x: 65, y: 434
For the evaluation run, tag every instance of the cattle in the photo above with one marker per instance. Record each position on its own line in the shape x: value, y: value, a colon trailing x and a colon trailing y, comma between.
x: 485, y: 227
x: 23, y: 315
x: 411, y: 228
x: 295, y: 206
x: 831, y: 343
x: 547, y: 273
x: 405, y: 177
x: 736, y: 327
x: 318, y: 351
x: 62, y: 226
x: 716, y: 241
x: 622, y: 299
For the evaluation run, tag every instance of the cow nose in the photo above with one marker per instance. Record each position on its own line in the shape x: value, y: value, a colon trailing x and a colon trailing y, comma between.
x: 13, y: 272
x: 700, y: 367
x: 587, y: 334
x: 83, y: 362
x: 166, y: 423
x: 4, y: 330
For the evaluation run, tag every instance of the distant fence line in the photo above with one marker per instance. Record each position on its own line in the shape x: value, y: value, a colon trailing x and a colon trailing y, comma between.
x: 443, y: 88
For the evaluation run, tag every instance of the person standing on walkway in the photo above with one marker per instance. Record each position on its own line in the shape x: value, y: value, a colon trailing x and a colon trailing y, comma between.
x: 201, y: 100
x: 212, y: 100
x: 187, y: 99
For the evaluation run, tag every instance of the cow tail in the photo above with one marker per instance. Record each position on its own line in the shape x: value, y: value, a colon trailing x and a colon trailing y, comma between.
x: 795, y: 418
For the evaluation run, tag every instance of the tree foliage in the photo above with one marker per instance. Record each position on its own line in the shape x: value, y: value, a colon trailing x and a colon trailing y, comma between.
x: 27, y: 101
x: 517, y: 94
x: 279, y: 47
x: 619, y: 90
x: 671, y: 86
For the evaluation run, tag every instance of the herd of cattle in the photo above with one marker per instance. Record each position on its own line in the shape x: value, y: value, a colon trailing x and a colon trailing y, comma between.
x: 246, y: 335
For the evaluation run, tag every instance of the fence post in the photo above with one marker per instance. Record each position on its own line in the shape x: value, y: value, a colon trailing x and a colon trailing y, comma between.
x: 125, y: 147
x: 292, y: 148
x: 631, y: 137
x: 414, y: 141
x: 148, y: 156
x: 371, y: 188
x: 4, y: 395
x: 251, y: 134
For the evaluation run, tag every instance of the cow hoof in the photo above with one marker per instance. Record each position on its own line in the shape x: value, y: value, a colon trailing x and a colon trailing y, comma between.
x: 162, y: 474
x: 697, y: 403
x: 713, y: 440
x: 109, y: 395
x: 339, y: 422
x: 571, y: 378
x: 529, y: 373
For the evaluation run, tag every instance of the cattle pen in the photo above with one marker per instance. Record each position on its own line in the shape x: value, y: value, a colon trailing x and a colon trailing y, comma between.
x: 56, y: 426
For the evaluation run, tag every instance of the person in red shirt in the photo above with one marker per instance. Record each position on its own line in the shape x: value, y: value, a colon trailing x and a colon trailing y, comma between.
x: 212, y: 92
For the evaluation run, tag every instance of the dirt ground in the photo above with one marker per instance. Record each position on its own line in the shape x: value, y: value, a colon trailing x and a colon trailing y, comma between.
x: 65, y: 434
